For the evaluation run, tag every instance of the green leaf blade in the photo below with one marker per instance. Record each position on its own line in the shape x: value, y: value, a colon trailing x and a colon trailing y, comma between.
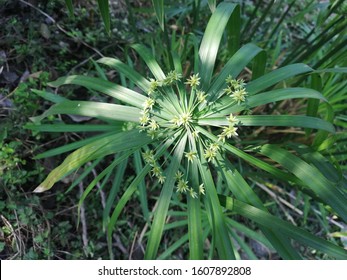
x: 100, y: 110
x: 164, y: 202
x: 116, y: 91
x: 105, y: 146
x: 211, y: 40
x: 105, y: 14
x: 159, y: 12
x: 310, y: 176
x: 270, y: 221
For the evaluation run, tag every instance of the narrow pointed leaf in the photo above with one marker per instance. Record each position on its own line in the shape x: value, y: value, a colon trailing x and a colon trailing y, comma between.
x: 103, y: 111
x: 107, y: 145
x: 49, y: 96
x: 276, y: 76
x: 233, y: 68
x: 102, y: 174
x: 73, y: 127
x: 194, y: 209
x: 265, y: 120
x: 270, y: 221
x: 150, y: 61
x: 217, y: 219
x: 159, y: 12
x: 73, y: 146
x: 226, y: 105
x: 164, y: 202
x: 251, y: 159
x: 212, y: 5
x: 128, y: 71
x: 130, y: 190
x: 211, y: 41
x: 105, y: 14
x: 311, y: 177
x: 116, y: 91
x: 242, y: 191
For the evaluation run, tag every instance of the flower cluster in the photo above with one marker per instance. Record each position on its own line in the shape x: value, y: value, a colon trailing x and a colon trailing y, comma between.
x: 147, y: 121
x: 183, y: 118
x: 236, y: 89
x: 201, y: 96
x: 154, y: 84
x: 191, y: 156
x: 183, y: 187
x: 230, y: 130
x: 193, y: 81
x: 172, y: 77
x: 156, y: 170
x: 146, y: 111
x: 211, y: 151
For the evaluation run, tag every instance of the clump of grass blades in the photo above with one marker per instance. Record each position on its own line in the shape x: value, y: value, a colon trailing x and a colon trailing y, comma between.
x: 183, y: 132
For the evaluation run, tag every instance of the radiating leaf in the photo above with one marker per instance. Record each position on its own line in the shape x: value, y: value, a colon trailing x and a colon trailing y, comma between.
x: 212, y: 5
x: 194, y: 209
x: 116, y: 91
x: 103, y: 111
x: 251, y: 159
x: 233, y: 68
x: 72, y: 146
x: 265, y: 120
x: 73, y: 127
x: 164, y: 202
x: 55, y: 98
x: 226, y: 105
x: 214, y: 211
x: 310, y: 176
x: 105, y: 146
x: 270, y: 221
x: 102, y: 174
x: 211, y: 41
x: 276, y: 76
x: 242, y: 191
x: 130, y: 190
x: 128, y: 71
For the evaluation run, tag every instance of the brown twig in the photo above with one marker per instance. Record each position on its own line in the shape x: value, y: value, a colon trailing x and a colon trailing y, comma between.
x: 132, y: 246
x: 289, y: 205
x: 102, y: 193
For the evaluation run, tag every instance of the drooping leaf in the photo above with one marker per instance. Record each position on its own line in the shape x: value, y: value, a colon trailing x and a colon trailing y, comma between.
x: 310, y: 176
x: 116, y: 91
x: 261, y: 217
x: 105, y: 146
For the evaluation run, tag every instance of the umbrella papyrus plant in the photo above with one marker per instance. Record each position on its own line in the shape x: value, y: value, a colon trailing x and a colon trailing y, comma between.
x: 183, y: 135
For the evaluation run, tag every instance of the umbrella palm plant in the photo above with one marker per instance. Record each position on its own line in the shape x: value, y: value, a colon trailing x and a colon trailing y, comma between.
x: 184, y: 135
